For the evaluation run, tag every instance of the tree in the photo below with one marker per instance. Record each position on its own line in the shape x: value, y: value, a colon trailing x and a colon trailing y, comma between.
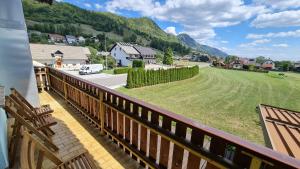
x: 230, y: 59
x: 159, y: 58
x: 260, y: 59
x: 168, y: 57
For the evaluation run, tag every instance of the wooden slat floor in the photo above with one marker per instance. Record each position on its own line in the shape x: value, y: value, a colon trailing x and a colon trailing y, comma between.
x: 75, y: 135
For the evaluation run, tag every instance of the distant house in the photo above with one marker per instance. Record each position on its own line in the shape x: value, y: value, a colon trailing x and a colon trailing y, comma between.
x: 125, y: 53
x: 237, y: 64
x: 147, y: 54
x: 71, y: 39
x: 80, y: 39
x: 200, y: 58
x: 297, y: 66
x: 59, y: 56
x: 247, y: 61
x: 268, y: 65
x: 103, y: 53
x: 56, y: 38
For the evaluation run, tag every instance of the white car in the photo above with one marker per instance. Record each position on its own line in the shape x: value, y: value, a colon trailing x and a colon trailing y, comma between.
x: 90, y: 69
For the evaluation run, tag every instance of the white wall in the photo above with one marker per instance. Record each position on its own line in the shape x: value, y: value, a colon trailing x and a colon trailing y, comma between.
x: 119, y: 54
x: 16, y: 69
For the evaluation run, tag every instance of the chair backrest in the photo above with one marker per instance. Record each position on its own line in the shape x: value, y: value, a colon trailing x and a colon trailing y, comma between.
x: 32, y: 148
x: 20, y: 97
x: 27, y: 113
x: 17, y: 112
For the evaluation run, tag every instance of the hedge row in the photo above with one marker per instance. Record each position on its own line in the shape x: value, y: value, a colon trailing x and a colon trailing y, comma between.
x: 121, y: 70
x: 141, y: 77
x: 138, y: 64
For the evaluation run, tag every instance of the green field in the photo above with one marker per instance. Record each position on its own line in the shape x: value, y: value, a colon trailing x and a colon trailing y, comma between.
x: 225, y: 99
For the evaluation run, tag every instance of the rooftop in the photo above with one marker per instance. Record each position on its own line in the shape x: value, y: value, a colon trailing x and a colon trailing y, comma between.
x: 42, y: 51
x: 281, y: 129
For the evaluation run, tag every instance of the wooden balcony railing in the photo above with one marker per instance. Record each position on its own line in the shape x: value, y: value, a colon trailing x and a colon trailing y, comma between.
x: 158, y: 138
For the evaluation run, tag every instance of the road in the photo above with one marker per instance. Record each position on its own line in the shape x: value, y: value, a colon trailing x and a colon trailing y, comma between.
x: 107, y: 80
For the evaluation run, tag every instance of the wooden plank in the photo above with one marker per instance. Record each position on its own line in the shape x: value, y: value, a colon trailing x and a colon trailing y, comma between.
x: 127, y: 129
x: 240, y: 159
x: 120, y: 124
x: 178, y: 151
x: 135, y: 130
x: 153, y: 138
x: 143, y: 140
x: 165, y: 144
x: 114, y: 120
x: 144, y: 136
x: 108, y: 115
x: 197, y: 138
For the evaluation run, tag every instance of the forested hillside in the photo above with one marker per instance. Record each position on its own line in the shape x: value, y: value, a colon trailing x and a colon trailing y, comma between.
x: 64, y: 19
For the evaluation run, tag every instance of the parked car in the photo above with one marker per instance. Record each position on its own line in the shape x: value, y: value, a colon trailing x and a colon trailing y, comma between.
x: 90, y: 69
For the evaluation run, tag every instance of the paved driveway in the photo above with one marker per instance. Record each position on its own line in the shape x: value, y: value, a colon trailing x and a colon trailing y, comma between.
x: 107, y: 80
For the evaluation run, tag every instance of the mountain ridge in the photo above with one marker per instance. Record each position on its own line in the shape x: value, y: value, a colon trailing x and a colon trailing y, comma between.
x: 190, y: 42
x: 143, y: 30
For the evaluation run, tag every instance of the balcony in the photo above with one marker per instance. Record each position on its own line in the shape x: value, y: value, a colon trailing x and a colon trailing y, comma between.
x: 122, y: 132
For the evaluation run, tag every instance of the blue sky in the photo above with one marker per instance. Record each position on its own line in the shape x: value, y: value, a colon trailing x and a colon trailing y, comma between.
x: 247, y: 28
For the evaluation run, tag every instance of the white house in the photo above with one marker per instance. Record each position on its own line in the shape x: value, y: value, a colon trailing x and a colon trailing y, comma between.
x: 125, y: 53
x: 60, y: 56
x: 81, y: 39
x: 71, y: 39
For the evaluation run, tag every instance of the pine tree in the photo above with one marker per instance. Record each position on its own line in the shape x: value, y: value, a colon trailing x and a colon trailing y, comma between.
x: 168, y: 57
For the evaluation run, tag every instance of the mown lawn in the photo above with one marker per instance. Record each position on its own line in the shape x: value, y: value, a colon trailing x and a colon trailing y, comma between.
x: 225, y: 99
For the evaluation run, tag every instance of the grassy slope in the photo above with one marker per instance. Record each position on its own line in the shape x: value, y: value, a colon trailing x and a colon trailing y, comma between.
x: 225, y: 99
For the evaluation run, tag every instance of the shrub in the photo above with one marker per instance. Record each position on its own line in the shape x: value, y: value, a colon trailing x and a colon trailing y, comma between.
x: 141, y: 77
x: 121, y: 70
x: 138, y: 64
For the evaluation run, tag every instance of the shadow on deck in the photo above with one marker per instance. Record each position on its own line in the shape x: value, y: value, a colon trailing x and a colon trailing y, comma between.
x: 74, y: 135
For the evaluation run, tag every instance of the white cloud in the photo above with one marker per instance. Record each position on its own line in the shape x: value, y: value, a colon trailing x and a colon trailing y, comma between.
x: 58, y: 0
x: 87, y: 5
x: 224, y: 41
x: 280, y: 19
x: 198, y: 18
x: 98, y: 6
x: 171, y: 30
x: 255, y: 43
x: 294, y: 34
x: 283, y: 45
x: 279, y: 4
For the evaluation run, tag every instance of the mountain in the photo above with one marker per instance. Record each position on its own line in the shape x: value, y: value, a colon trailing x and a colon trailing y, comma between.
x: 190, y: 42
x: 64, y: 18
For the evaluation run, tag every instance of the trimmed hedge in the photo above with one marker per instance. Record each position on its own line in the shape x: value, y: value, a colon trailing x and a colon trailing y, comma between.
x: 141, y: 77
x: 121, y: 70
x: 138, y: 64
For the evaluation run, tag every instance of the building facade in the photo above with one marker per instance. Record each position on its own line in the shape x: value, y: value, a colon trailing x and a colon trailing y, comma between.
x: 60, y: 56
x: 125, y: 53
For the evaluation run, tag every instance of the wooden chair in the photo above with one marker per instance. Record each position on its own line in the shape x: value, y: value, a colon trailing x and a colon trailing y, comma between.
x: 21, y: 123
x: 32, y: 148
x: 44, y: 109
x: 42, y: 122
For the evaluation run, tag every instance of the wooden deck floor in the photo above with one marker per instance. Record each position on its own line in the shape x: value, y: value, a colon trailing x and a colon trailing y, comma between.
x: 74, y: 135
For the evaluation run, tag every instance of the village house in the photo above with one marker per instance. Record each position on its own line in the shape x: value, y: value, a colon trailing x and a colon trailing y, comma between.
x: 80, y: 39
x: 268, y: 65
x: 297, y: 66
x: 237, y: 64
x: 60, y: 56
x: 56, y: 38
x: 125, y: 53
x: 71, y: 39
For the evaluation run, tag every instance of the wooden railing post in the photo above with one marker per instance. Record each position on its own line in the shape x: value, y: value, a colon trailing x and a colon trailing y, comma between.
x: 101, y: 109
x: 65, y: 87
x: 48, y: 76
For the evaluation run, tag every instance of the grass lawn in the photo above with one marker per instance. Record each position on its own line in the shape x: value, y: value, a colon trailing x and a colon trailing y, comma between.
x: 225, y: 99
